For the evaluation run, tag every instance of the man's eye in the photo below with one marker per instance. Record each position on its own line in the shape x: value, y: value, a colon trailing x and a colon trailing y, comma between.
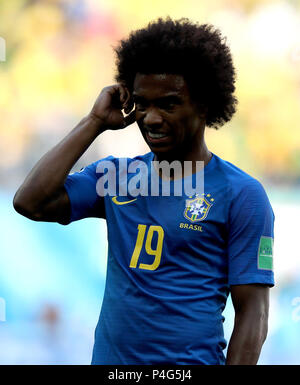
x: 167, y: 106
x: 139, y: 106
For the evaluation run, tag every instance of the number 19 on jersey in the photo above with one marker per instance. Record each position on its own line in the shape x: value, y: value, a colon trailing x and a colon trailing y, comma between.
x: 156, y: 251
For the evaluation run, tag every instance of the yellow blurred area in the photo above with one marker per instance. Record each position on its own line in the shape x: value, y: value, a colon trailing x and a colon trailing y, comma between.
x: 59, y: 55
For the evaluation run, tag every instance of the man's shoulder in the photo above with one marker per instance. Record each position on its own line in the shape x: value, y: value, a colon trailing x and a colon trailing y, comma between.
x: 238, y: 180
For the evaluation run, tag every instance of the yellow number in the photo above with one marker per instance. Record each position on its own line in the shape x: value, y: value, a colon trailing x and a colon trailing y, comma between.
x: 138, y: 245
x: 156, y: 252
x: 148, y: 247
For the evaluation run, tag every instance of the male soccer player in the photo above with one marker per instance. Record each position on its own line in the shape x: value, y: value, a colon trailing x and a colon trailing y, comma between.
x: 172, y: 260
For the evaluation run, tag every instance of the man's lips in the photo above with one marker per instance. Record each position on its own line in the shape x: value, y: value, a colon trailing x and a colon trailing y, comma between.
x: 156, y: 137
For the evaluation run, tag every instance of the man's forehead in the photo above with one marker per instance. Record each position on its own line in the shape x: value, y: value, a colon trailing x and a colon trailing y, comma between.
x: 167, y: 84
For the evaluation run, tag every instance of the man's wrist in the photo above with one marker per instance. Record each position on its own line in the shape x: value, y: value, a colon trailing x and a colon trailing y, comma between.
x: 96, y: 122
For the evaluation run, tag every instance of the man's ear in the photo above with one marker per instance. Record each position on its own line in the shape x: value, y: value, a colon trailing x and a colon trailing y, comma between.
x: 129, y: 103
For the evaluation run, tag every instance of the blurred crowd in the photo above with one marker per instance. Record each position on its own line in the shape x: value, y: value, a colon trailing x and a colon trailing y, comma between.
x: 59, y: 55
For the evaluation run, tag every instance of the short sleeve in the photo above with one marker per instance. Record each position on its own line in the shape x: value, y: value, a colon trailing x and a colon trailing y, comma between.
x: 81, y: 189
x: 251, y: 234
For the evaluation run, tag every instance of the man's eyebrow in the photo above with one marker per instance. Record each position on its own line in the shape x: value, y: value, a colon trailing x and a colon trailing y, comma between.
x: 135, y: 96
x: 169, y: 97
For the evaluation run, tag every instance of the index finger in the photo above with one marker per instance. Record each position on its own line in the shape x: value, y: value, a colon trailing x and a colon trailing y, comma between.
x: 124, y: 94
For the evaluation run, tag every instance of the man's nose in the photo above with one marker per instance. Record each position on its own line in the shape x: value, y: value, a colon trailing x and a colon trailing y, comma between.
x: 153, y: 118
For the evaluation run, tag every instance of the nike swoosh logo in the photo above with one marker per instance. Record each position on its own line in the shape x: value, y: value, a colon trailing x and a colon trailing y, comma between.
x: 114, y: 199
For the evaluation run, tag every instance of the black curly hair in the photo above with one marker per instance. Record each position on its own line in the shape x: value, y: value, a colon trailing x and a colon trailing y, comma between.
x: 197, y: 52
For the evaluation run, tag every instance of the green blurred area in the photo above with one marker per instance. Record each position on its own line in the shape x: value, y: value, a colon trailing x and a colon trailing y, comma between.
x: 59, y: 55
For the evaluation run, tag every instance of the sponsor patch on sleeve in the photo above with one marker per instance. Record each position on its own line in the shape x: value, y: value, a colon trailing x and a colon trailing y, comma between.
x: 265, y: 253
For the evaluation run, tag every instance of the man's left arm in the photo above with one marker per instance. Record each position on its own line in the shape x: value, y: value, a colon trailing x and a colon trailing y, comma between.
x: 251, y: 305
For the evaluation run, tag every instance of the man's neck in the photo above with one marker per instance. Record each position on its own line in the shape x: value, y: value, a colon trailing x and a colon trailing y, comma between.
x: 199, y: 154
x: 202, y: 154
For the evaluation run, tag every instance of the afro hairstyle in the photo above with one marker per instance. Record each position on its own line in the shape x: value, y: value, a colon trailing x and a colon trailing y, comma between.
x: 197, y: 52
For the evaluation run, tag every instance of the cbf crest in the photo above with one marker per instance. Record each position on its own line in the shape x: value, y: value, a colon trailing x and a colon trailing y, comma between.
x: 197, y: 208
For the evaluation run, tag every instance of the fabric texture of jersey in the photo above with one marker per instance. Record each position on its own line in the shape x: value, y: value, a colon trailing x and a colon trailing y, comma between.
x: 170, y: 266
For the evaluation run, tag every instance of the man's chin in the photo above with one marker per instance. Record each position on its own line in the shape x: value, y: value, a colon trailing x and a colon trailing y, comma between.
x: 164, y: 153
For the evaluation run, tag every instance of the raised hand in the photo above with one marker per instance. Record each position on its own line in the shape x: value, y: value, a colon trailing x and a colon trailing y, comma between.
x: 108, y: 107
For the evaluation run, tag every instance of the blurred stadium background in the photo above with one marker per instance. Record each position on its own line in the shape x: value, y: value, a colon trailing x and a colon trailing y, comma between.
x: 58, y: 57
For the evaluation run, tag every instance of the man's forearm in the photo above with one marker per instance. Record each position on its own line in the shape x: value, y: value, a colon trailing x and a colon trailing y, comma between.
x: 49, y: 174
x: 246, y: 341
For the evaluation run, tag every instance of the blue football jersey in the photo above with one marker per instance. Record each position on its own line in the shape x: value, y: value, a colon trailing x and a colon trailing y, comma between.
x: 171, y: 262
